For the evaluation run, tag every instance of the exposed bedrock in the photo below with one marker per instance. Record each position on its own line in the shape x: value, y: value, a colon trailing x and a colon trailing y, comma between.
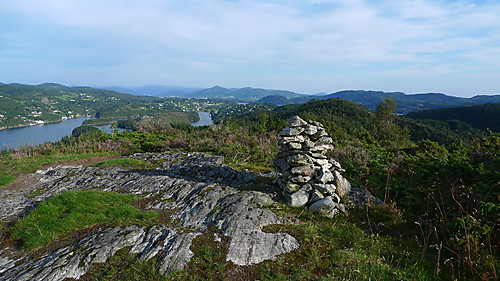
x: 196, y: 190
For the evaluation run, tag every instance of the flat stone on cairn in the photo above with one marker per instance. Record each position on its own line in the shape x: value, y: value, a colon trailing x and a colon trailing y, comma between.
x: 308, y: 177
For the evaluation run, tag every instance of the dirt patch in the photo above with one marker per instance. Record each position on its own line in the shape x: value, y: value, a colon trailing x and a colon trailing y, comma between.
x: 84, y: 162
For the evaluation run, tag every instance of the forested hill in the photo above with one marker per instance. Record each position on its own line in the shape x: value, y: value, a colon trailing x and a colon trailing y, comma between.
x: 22, y: 105
x: 347, y: 120
x: 405, y: 102
x: 243, y: 94
x: 486, y: 116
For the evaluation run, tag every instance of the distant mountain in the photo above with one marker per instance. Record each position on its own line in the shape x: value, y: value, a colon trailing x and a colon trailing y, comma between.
x: 275, y: 99
x: 485, y: 116
x: 405, y: 102
x: 155, y: 90
x: 244, y: 94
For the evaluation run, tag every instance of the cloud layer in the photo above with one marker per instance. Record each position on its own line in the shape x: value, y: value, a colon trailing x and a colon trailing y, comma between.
x: 306, y: 46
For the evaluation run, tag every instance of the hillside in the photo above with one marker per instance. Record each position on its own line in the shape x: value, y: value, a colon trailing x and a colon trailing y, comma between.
x: 243, y: 94
x: 405, y: 102
x: 155, y: 90
x: 349, y: 120
x: 275, y: 99
x: 486, y: 116
x: 22, y: 105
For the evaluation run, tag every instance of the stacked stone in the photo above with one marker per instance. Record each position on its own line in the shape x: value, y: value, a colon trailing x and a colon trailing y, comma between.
x: 308, y: 177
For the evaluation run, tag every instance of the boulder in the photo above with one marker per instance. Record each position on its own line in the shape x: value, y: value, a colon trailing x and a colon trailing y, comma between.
x: 296, y: 121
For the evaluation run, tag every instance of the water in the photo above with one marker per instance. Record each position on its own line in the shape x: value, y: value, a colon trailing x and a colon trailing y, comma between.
x: 205, y: 119
x: 38, y: 134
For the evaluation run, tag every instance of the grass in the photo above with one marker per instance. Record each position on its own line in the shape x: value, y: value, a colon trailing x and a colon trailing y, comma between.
x: 126, y: 162
x: 337, y: 249
x: 209, y: 260
x: 126, y: 267
x: 74, y: 210
x: 10, y: 167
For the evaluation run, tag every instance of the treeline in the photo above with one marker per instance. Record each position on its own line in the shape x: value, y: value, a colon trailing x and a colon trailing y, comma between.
x: 486, y: 116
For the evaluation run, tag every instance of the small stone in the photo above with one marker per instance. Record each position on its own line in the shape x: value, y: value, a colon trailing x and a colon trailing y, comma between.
x: 311, y: 129
x: 324, y: 176
x: 287, y: 153
x: 300, y: 159
x: 306, y: 187
x: 300, y: 179
x: 318, y: 156
x: 297, y: 199
x: 321, y: 133
x: 325, y: 188
x: 315, y: 196
x: 343, y: 185
x: 308, y: 144
x: 322, y: 162
x: 322, y: 147
x: 295, y: 145
x: 296, y: 121
x: 281, y: 163
x: 324, y: 140
x: 289, y: 132
x: 362, y: 197
x: 315, y: 123
x: 285, y: 140
x: 292, y: 187
x: 341, y: 207
x: 303, y: 170
x: 335, y: 163
x: 323, y: 206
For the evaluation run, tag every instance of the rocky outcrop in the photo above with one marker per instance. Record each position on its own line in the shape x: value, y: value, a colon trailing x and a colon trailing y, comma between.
x: 196, y: 191
x: 308, y: 177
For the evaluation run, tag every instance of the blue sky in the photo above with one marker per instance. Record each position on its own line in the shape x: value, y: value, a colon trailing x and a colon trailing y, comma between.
x: 306, y: 46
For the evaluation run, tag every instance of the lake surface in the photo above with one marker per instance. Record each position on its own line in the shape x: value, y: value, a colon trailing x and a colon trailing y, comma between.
x: 38, y: 134
x: 205, y: 119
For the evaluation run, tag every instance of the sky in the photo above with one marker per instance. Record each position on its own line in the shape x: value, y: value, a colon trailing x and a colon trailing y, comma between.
x: 306, y: 46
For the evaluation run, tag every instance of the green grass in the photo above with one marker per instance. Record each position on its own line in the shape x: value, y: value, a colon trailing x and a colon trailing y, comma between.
x: 9, y: 167
x: 126, y: 267
x: 126, y: 162
x: 74, y: 210
x: 337, y: 249
x: 6, y: 179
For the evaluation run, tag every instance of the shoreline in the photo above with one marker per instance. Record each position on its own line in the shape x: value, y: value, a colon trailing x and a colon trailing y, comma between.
x: 37, y: 124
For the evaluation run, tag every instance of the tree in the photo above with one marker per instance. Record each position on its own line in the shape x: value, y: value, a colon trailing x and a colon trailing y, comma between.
x: 386, y: 128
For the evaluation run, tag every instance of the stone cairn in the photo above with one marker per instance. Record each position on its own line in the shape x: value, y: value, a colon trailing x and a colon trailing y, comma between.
x: 308, y: 177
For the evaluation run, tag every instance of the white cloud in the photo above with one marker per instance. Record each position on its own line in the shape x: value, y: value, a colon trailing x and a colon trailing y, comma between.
x: 242, y: 38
